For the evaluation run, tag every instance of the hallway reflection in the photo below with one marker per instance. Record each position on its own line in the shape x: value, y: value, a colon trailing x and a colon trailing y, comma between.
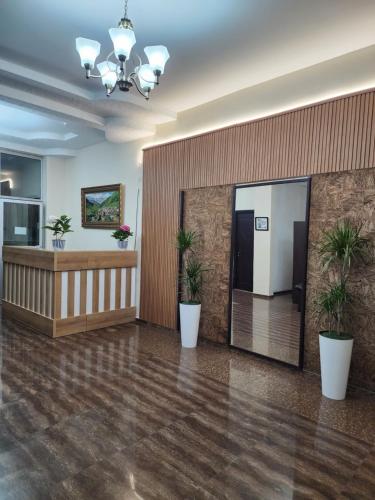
x: 269, y: 266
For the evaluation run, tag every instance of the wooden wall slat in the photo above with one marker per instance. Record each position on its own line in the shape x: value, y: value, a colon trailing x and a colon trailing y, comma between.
x: 118, y: 289
x: 95, y: 290
x: 48, y: 293
x: 107, y: 289
x: 42, y: 291
x: 57, y: 294
x: 128, y: 287
x: 71, y: 277
x: 83, y: 292
x: 5, y: 281
x: 37, y: 291
x: 327, y: 137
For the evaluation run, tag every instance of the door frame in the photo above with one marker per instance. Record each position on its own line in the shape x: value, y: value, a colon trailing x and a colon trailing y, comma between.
x: 292, y: 180
x: 20, y: 201
x: 234, y: 224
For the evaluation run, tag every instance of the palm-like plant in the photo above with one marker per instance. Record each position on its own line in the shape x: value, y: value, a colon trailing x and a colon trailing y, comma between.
x: 193, y: 270
x: 192, y: 278
x: 186, y: 240
x: 339, y: 249
x: 331, y: 304
x: 343, y: 245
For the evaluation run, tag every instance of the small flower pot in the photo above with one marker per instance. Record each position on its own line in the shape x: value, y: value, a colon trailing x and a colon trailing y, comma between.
x: 189, y: 322
x: 123, y: 244
x: 335, y: 357
x: 58, y: 244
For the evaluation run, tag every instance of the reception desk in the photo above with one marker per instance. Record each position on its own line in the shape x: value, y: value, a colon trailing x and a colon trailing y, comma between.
x: 60, y: 293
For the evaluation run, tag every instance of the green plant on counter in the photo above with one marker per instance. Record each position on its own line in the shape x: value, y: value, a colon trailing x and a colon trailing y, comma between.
x: 122, y: 233
x: 59, y: 225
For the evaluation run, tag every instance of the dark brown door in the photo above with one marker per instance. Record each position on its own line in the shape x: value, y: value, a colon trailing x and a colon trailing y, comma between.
x: 244, y: 250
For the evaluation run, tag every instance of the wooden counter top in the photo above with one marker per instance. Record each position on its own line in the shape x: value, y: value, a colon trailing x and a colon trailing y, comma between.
x: 69, y: 260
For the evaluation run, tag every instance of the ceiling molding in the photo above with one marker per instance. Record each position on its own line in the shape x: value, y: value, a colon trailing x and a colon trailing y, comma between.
x: 37, y: 136
x: 54, y: 107
x: 22, y: 148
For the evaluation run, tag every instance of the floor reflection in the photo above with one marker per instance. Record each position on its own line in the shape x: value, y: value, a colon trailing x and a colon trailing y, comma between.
x: 267, y: 326
x: 124, y: 412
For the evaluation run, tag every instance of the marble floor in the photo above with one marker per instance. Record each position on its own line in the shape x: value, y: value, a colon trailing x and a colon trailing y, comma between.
x: 124, y: 413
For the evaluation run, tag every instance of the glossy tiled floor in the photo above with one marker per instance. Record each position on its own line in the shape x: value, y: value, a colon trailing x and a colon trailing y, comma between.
x: 124, y: 413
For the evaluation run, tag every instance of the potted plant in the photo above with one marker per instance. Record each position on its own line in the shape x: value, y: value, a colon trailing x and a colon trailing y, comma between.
x: 192, y: 281
x: 60, y: 226
x: 340, y: 249
x: 121, y: 235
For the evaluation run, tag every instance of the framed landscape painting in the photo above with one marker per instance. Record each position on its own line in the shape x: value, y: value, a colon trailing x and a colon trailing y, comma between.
x: 102, y: 206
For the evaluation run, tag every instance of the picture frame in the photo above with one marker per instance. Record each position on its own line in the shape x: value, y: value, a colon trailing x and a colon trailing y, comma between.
x: 261, y: 224
x: 102, y: 206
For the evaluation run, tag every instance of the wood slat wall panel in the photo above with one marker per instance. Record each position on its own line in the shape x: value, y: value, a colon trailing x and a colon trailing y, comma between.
x: 333, y: 136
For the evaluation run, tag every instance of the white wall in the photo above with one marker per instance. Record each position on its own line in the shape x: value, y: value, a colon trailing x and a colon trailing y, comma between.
x: 104, y: 163
x: 288, y: 206
x: 259, y: 198
x: 55, y: 185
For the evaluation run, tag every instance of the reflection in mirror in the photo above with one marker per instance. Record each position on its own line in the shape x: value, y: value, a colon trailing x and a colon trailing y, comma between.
x: 269, y: 266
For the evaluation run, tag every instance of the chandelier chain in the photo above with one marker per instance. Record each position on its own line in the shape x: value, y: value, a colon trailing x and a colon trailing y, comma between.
x: 126, y: 9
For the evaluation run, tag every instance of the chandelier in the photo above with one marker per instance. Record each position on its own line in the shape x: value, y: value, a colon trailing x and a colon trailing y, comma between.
x: 123, y: 73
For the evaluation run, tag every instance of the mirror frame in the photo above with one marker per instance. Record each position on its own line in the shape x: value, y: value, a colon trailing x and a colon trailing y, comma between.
x: 231, y: 268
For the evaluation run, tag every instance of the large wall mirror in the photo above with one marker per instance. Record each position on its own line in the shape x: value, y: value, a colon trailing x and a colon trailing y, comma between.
x: 269, y: 255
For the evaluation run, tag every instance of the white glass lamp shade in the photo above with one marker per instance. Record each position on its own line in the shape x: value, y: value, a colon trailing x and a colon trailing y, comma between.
x: 157, y: 56
x: 88, y: 51
x: 146, y: 77
x: 123, y: 40
x: 108, y: 73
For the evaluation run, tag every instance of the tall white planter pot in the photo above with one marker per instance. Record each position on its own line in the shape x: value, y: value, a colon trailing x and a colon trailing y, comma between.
x: 189, y: 323
x: 335, y: 357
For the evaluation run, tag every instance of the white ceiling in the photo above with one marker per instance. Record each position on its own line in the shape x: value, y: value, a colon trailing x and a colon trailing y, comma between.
x: 217, y: 47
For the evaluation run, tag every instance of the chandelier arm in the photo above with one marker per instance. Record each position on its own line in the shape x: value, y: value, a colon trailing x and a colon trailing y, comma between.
x: 139, y: 58
x: 136, y: 86
x: 95, y: 76
x: 136, y: 71
x: 109, y: 56
x: 148, y: 81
